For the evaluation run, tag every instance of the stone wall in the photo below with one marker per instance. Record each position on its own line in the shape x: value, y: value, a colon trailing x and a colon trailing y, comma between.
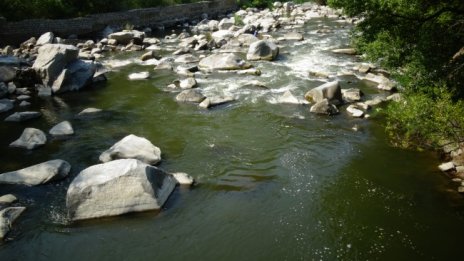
x: 17, y: 32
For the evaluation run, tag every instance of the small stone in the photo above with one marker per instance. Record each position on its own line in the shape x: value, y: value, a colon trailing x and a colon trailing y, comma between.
x: 347, y: 51
x: 190, y: 95
x: 23, y: 97
x: 89, y: 111
x: 461, y: 189
x: 139, y: 76
x: 62, y: 128
x: 457, y: 180
x: 7, y: 218
x: 446, y: 166
x: 5, y: 105
x: 354, y: 111
x: 183, y: 179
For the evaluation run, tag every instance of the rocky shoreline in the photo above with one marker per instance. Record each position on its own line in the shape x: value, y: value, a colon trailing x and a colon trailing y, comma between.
x: 126, y: 180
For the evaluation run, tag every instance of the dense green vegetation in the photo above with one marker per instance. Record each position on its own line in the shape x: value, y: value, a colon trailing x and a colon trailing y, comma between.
x: 53, y: 9
x: 423, y: 42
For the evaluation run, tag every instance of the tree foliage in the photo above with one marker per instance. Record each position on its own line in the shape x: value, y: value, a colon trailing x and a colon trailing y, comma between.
x: 423, y: 41
x: 54, y: 9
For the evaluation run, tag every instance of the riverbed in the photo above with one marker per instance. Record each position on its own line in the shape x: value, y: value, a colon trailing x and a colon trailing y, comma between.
x: 274, y: 181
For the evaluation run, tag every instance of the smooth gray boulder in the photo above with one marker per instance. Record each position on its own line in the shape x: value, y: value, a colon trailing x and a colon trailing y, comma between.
x: 75, y: 76
x: 37, y: 174
x: 190, y: 95
x: 118, y: 187
x: 354, y: 111
x: 187, y: 58
x: 7, y: 73
x: 3, y: 89
x: 133, y: 147
x: 324, y: 107
x: 188, y: 83
x: 23, y: 116
x: 5, y: 105
x: 330, y: 91
x: 7, y: 218
x: 52, y: 59
x: 226, y: 23
x: 31, y: 138
x: 223, y: 61
x: 7, y: 200
x: 262, y: 50
x: 246, y: 39
x: 293, y: 36
x: 46, y: 38
x: 61, y: 129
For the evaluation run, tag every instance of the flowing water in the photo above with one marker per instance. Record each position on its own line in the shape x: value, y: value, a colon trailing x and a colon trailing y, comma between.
x: 275, y: 182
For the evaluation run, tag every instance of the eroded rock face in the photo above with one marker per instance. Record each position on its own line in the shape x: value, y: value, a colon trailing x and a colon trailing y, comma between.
x: 52, y: 59
x: 118, y: 187
x: 223, y: 61
x: 75, y: 76
x: 262, y: 50
x: 37, y: 174
x: 133, y: 147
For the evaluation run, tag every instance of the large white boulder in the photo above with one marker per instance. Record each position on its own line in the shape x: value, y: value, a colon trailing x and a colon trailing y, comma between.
x: 31, y: 138
x: 330, y: 91
x: 46, y: 38
x: 37, y: 174
x: 262, y: 50
x: 223, y: 61
x: 118, y: 187
x: 133, y: 147
x: 52, y: 59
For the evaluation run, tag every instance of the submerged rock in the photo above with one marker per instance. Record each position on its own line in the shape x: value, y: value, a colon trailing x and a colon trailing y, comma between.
x: 118, y: 187
x: 354, y: 111
x: 23, y: 116
x: 262, y: 50
x: 215, y: 101
x: 37, y: 174
x: 351, y: 95
x: 133, y: 147
x: 31, y: 138
x: 348, y: 51
x: 7, y: 218
x: 5, y: 105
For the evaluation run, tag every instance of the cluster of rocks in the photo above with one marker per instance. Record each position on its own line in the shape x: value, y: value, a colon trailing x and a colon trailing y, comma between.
x: 454, y: 167
x: 126, y: 180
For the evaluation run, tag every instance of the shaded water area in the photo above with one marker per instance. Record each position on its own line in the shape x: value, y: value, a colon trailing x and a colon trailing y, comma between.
x: 274, y: 181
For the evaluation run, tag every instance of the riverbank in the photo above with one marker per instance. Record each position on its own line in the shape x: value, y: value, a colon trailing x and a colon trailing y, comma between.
x: 234, y: 106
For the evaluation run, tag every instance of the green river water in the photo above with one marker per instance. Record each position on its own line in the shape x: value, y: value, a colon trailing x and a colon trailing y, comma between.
x: 275, y: 182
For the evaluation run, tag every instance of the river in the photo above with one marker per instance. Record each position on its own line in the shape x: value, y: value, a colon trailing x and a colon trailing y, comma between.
x: 275, y: 182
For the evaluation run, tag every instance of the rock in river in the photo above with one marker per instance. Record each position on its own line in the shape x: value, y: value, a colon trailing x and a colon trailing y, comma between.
x: 330, y: 91
x: 62, y: 128
x: 5, y: 105
x: 118, y: 187
x: 7, y: 218
x: 23, y: 116
x: 133, y: 147
x: 262, y: 50
x: 324, y: 107
x: 190, y: 95
x: 52, y: 59
x: 75, y: 76
x: 37, y: 174
x: 31, y: 138
x: 223, y: 61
